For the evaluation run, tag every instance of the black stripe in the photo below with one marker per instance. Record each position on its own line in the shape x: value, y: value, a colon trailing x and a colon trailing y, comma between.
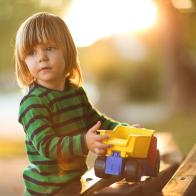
x: 93, y: 119
x: 31, y: 89
x: 24, y: 98
x: 91, y: 116
x: 28, y: 142
x: 102, y: 122
x: 64, y: 97
x: 92, y: 123
x: 33, y: 153
x: 38, y: 130
x: 67, y: 109
x: 33, y: 106
x: 49, y: 162
x: 75, y: 131
x: 44, y: 173
x: 83, y: 144
x: 47, y: 148
x: 70, y: 121
x: 110, y: 124
x: 41, y: 194
x: 35, y: 118
x: 44, y: 140
x: 43, y: 183
x: 27, y: 96
x: 59, y: 149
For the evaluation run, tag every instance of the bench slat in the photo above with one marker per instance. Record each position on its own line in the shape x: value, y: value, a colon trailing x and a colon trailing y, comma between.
x: 91, y: 183
x: 148, y: 187
x: 184, y: 179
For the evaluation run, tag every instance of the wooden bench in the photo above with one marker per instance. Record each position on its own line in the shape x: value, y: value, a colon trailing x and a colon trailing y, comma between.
x: 183, y: 181
x: 170, y: 160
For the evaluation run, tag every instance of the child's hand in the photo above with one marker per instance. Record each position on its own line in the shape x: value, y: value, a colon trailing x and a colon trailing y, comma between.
x: 94, y: 141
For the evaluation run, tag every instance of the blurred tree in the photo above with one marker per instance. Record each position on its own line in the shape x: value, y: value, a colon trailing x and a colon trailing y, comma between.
x: 140, y: 78
x: 180, y: 66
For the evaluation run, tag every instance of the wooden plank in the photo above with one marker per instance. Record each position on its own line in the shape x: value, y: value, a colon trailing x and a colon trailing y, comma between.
x: 148, y: 187
x: 91, y: 183
x: 184, y: 180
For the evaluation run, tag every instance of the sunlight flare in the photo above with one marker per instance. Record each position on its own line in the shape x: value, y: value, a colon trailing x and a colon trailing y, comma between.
x: 91, y: 20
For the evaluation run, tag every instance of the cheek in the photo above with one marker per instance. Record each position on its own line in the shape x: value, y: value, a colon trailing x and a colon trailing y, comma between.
x: 29, y: 63
x: 61, y: 62
x: 64, y: 68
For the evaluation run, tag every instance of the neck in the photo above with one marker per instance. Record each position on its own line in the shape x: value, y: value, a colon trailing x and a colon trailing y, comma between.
x: 58, y: 86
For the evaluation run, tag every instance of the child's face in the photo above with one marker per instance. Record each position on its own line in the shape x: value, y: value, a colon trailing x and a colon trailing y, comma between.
x: 47, y: 65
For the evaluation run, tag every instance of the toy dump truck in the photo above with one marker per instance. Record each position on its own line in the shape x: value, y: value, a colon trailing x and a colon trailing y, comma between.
x: 133, y: 153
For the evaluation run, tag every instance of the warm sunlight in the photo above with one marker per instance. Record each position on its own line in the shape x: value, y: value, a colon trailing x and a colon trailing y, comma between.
x: 90, y: 20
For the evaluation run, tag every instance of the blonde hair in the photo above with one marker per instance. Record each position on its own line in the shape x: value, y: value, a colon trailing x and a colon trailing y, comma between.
x: 44, y: 27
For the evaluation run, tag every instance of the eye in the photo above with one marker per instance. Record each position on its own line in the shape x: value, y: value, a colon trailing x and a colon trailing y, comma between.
x: 50, y: 48
x: 31, y: 52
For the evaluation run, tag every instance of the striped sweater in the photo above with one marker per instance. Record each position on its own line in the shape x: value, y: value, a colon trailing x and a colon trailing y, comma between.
x: 55, y: 123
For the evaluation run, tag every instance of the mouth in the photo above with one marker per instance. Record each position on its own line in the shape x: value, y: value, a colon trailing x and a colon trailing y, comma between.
x: 45, y: 68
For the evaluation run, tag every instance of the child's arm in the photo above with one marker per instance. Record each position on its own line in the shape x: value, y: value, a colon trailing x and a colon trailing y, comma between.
x: 35, y: 118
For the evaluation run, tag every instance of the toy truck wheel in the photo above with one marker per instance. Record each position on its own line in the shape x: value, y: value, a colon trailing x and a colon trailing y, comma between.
x: 99, y: 167
x: 132, y: 170
x: 157, y: 164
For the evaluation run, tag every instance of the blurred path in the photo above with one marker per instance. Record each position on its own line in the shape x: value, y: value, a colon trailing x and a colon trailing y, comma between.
x: 11, y: 182
x: 9, y: 104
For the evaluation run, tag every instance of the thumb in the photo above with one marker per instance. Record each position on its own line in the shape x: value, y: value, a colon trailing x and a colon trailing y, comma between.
x: 95, y: 127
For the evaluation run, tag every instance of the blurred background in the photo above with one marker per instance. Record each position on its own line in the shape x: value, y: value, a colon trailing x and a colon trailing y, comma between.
x: 138, y: 60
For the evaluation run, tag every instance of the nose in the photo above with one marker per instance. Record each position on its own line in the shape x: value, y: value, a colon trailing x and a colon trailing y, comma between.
x: 42, y: 55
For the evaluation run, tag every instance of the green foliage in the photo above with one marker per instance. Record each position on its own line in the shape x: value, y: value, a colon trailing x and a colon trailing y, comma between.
x: 144, y: 84
x: 141, y: 80
x: 182, y: 126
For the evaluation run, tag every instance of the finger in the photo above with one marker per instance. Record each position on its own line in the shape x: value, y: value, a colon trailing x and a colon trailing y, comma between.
x: 100, y: 151
x: 101, y: 145
x: 95, y: 127
x: 102, y: 137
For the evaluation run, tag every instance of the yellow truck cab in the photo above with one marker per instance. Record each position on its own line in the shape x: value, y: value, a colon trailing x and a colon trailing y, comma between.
x: 133, y: 153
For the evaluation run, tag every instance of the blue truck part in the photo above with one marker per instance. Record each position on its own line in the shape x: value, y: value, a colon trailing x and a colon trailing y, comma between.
x: 114, y: 164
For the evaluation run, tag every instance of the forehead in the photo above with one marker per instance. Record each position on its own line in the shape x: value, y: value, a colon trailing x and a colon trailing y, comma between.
x: 40, y: 30
x: 43, y: 45
x: 37, y: 38
x: 31, y: 39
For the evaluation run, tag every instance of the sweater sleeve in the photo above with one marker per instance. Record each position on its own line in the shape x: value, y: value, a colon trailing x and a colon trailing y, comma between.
x: 35, y: 117
x: 92, y: 115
